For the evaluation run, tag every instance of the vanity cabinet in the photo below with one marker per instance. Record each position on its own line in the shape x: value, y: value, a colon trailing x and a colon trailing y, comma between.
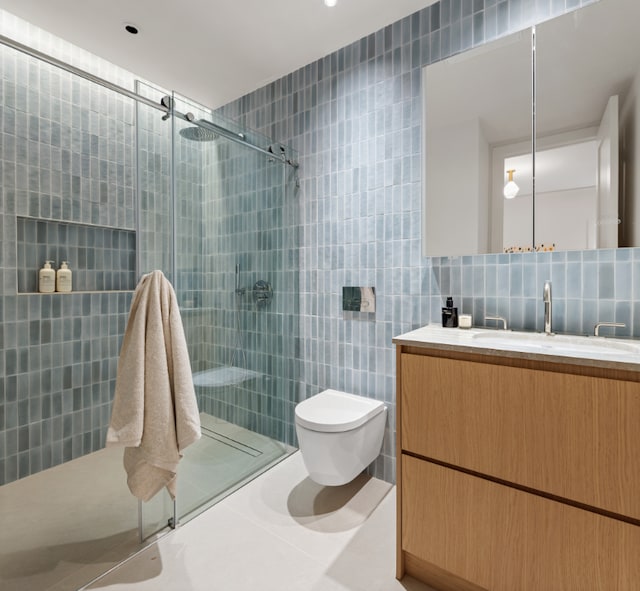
x: 517, y: 474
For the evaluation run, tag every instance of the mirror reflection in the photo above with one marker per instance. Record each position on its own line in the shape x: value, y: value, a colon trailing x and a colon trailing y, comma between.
x: 478, y: 114
x: 474, y: 103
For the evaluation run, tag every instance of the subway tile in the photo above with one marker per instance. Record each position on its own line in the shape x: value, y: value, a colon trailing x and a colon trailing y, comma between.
x: 606, y: 281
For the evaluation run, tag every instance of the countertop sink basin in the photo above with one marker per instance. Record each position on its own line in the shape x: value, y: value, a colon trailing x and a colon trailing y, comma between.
x: 560, y: 344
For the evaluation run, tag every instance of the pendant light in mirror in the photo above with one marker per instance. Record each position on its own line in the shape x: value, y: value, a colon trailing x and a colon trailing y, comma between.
x: 510, y: 189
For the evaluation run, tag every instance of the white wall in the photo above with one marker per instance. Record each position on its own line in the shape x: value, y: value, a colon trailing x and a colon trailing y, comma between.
x: 566, y: 218
x: 629, y: 206
x: 456, y: 187
x: 517, y: 222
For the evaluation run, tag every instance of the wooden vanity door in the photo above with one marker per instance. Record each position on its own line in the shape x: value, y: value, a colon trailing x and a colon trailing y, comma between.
x: 498, y: 538
x: 568, y: 435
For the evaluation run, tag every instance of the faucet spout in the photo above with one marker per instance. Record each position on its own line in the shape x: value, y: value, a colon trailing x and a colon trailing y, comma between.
x: 547, y: 299
x: 499, y: 319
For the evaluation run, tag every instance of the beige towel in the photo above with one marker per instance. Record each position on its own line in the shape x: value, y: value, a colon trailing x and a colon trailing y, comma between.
x: 155, y: 413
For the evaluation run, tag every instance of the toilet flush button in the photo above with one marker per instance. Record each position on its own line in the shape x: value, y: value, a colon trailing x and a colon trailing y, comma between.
x: 359, y: 299
x: 367, y: 299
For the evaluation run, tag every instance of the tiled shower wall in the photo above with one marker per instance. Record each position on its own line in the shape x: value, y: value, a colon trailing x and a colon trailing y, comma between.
x: 67, y: 181
x: 355, y: 118
x: 233, y: 206
x: 250, y: 215
x: 69, y: 187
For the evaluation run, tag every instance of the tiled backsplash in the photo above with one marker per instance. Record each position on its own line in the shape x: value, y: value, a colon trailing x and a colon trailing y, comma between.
x: 588, y: 287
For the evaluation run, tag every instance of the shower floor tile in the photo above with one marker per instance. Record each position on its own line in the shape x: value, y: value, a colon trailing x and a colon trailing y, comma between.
x: 224, y: 457
x: 280, y: 532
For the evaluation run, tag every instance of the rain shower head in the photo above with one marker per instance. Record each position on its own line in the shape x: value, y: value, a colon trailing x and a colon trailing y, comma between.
x: 198, y: 134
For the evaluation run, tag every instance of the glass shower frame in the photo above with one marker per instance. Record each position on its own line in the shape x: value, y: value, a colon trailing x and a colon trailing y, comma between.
x: 233, y: 260
x: 134, y: 229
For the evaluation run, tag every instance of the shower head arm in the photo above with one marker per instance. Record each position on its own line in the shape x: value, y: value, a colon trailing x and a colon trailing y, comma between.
x: 231, y: 135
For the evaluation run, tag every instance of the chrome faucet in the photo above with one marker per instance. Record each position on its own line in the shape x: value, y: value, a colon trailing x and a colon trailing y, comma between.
x: 499, y: 319
x: 546, y: 298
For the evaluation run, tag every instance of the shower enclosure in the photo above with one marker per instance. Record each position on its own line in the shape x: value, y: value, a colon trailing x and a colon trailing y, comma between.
x: 231, y: 252
x: 121, y: 180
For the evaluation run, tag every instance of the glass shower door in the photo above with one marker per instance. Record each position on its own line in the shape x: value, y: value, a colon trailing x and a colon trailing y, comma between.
x: 234, y: 258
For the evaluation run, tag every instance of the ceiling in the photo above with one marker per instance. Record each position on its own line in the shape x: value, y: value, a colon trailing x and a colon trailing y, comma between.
x: 213, y: 52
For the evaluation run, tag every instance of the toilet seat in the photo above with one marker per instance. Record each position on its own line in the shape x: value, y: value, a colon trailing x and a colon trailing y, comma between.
x: 332, y: 411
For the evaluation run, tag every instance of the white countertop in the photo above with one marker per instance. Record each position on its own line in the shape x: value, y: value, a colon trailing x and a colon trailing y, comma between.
x: 575, y: 350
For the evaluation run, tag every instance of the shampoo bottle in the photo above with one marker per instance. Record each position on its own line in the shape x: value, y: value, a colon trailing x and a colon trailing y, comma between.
x: 63, y: 277
x: 449, y: 314
x: 47, y: 278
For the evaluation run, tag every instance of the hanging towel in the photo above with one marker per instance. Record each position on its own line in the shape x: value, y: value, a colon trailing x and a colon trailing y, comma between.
x: 155, y: 413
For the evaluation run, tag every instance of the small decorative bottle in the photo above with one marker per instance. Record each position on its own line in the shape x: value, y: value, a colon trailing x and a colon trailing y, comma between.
x: 450, y: 314
x: 63, y: 277
x: 47, y: 278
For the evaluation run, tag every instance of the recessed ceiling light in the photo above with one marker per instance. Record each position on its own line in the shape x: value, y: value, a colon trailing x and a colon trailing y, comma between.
x: 330, y: 2
x: 129, y: 28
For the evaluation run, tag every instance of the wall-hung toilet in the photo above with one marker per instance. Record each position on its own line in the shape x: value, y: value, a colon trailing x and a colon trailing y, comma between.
x: 339, y: 435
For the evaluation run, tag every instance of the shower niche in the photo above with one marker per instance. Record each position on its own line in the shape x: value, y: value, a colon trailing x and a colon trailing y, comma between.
x: 101, y: 258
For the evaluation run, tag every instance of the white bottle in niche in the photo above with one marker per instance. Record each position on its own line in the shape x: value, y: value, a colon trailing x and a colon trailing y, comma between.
x: 63, y: 277
x: 47, y: 278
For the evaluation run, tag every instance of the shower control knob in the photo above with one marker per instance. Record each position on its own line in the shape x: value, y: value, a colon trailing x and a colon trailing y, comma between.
x: 262, y: 293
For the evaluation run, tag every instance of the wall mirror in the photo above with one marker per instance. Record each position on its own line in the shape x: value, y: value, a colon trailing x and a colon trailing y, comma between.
x: 478, y: 115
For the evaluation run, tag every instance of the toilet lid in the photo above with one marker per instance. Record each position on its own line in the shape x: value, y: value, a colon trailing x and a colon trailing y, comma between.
x: 332, y: 411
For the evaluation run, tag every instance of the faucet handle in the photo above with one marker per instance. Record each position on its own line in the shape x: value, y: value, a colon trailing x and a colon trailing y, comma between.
x: 596, y: 328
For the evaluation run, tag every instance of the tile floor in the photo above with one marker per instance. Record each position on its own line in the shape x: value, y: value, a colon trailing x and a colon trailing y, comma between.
x: 281, y: 532
x: 64, y: 526
x: 56, y: 528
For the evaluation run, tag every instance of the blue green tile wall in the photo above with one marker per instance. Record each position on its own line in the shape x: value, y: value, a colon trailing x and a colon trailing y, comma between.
x: 70, y: 190
x: 232, y: 206
x: 250, y: 219
x: 355, y: 118
x: 67, y: 190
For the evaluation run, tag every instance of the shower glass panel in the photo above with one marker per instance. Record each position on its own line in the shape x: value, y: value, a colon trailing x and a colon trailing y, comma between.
x: 155, y: 236
x: 234, y: 267
x: 93, y: 176
x: 67, y: 158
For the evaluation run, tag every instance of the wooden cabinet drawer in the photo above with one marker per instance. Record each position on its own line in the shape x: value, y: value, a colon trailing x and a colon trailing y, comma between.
x: 502, y: 539
x: 568, y: 435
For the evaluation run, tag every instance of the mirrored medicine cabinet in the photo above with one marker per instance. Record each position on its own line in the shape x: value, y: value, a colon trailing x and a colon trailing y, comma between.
x: 556, y: 110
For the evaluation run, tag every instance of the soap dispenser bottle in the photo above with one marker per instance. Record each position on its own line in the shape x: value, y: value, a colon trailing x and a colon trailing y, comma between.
x: 63, y: 277
x: 450, y: 314
x: 47, y: 278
